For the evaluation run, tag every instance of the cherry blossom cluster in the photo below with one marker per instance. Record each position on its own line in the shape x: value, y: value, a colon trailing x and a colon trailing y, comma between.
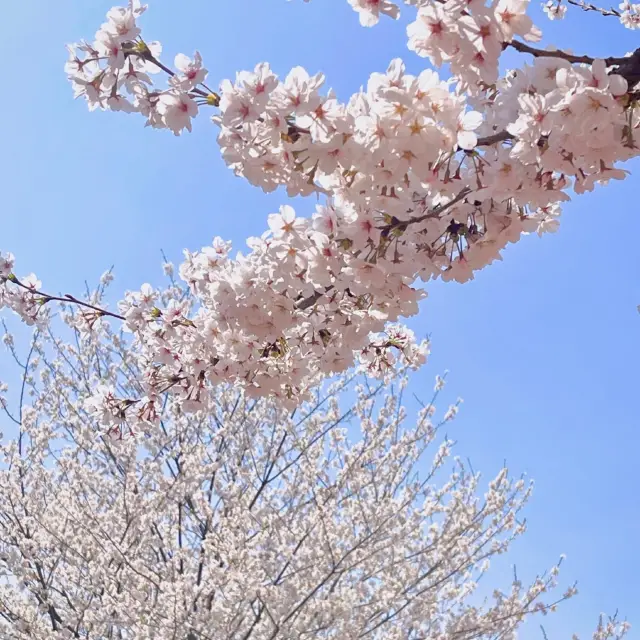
x: 406, y: 143
x: 477, y: 22
x: 418, y: 186
x: 378, y: 148
x: 405, y: 157
x: 629, y: 14
x: 114, y: 72
x: 189, y: 475
x: 470, y: 37
x: 310, y: 293
x: 401, y: 152
x: 277, y: 321
x: 413, y: 194
x: 567, y: 121
x: 21, y: 300
x: 245, y: 520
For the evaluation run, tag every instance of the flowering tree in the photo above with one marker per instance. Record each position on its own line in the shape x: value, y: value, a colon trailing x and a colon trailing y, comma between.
x: 424, y: 178
x: 182, y: 476
x: 246, y: 520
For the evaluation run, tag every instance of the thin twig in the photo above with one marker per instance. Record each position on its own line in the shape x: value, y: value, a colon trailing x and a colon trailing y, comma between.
x: 585, y: 6
x: 67, y: 298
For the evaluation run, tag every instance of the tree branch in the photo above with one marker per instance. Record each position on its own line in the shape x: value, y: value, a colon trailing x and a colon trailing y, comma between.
x: 563, y: 55
x: 67, y: 298
x: 500, y: 136
x: 592, y: 7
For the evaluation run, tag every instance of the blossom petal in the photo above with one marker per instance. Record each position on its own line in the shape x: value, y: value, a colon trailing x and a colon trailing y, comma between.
x: 471, y: 120
x: 467, y: 140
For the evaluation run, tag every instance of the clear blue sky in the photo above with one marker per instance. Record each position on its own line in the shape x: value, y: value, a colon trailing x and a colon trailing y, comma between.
x: 543, y: 347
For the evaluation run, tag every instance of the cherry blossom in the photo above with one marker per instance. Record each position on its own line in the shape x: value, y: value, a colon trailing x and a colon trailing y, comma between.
x: 183, y: 473
x: 555, y: 10
x: 191, y: 72
x: 131, y: 518
x: 370, y: 10
x: 422, y: 179
x: 177, y: 110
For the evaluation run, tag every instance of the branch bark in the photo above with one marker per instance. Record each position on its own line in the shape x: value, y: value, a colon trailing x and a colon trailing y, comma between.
x: 563, y: 55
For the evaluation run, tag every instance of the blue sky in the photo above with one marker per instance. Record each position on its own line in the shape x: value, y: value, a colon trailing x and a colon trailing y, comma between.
x: 544, y: 347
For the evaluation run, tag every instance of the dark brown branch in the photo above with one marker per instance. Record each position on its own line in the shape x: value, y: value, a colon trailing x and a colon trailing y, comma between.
x: 628, y: 66
x: 630, y: 69
x: 305, y: 303
x: 440, y: 209
x: 563, y: 55
x: 501, y: 136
